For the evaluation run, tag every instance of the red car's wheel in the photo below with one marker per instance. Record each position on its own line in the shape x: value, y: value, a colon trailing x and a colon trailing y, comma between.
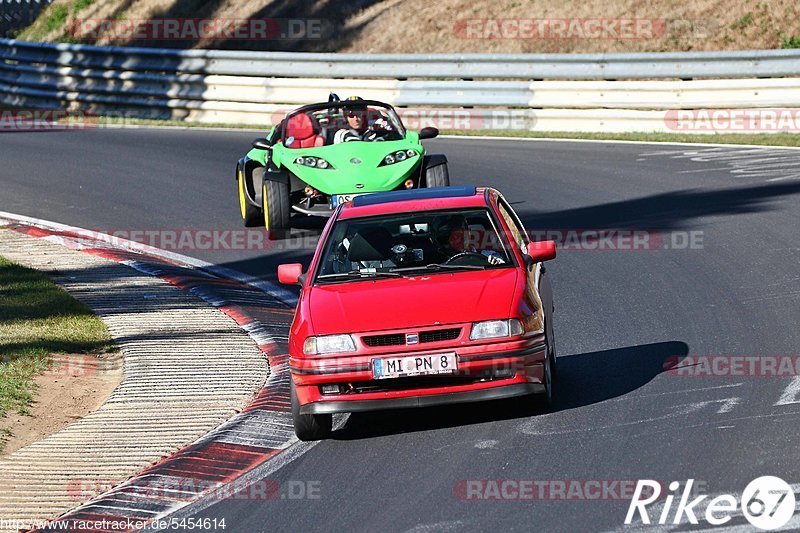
x: 547, y: 396
x: 309, y: 427
x: 550, y: 373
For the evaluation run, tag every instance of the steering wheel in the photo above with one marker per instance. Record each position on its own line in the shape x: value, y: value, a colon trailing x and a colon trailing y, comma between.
x: 465, y: 257
x: 374, y: 136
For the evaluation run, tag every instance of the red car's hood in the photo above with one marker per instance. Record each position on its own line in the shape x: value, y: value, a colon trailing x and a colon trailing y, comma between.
x: 412, y: 302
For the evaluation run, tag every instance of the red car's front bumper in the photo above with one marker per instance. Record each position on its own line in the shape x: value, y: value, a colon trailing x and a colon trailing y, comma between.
x: 485, y: 371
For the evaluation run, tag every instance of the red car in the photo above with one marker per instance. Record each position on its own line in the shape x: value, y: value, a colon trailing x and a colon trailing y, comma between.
x: 417, y: 298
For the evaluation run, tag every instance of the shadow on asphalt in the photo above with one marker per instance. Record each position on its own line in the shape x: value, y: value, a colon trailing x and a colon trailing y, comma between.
x: 663, y: 212
x: 584, y: 379
x: 671, y: 210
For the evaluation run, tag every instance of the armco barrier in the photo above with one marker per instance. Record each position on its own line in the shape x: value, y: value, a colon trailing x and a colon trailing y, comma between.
x: 256, y: 87
x: 16, y: 14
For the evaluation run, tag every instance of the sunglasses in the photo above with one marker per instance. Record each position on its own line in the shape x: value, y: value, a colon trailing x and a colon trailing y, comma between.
x: 353, y: 114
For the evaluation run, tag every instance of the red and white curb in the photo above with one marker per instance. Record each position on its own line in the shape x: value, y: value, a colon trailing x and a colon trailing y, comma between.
x: 247, y: 441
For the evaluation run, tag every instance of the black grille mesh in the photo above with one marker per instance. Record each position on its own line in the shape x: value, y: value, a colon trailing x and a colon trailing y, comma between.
x: 396, y: 339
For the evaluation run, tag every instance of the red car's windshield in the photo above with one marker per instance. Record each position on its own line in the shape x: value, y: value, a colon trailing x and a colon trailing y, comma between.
x: 395, y: 245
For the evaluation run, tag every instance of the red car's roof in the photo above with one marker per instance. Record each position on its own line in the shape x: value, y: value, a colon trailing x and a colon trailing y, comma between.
x: 413, y: 200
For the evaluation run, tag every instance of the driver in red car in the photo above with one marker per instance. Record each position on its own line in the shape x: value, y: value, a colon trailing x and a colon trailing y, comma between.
x: 454, y: 237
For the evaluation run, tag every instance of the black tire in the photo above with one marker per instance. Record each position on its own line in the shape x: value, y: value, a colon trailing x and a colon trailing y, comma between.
x: 437, y: 176
x: 309, y: 427
x: 546, y: 398
x: 251, y: 214
x: 276, y: 207
x: 551, y: 339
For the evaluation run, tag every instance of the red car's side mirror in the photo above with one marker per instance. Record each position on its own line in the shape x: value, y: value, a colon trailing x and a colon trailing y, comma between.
x: 290, y: 274
x: 541, y: 251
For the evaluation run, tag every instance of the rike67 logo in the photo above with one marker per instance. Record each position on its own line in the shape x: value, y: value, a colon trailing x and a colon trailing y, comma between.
x: 767, y: 502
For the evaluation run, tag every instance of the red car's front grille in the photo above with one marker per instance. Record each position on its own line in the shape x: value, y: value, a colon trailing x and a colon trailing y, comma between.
x: 438, y: 335
x: 384, y: 340
x: 396, y: 339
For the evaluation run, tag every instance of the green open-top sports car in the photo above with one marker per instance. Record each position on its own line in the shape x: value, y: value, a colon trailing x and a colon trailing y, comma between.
x: 321, y: 155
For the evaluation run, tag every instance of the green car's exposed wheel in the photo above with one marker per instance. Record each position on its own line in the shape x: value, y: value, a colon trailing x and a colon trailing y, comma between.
x: 276, y: 206
x: 437, y: 176
x: 251, y: 215
x: 309, y: 427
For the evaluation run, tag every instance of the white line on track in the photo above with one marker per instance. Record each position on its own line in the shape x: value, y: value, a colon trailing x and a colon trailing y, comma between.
x: 532, y: 427
x: 277, y: 292
x: 284, y: 458
x: 769, y: 164
x: 682, y: 391
x: 287, y: 456
x: 791, y: 394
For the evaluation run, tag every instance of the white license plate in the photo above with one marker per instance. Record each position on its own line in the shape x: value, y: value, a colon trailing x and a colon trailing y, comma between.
x: 344, y: 198
x: 414, y: 365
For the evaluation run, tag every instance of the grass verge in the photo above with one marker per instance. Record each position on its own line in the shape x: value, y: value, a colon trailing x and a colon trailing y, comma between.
x: 38, y: 318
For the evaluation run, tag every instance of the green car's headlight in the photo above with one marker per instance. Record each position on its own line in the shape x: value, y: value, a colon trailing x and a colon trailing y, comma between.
x: 397, y: 157
x: 311, y: 161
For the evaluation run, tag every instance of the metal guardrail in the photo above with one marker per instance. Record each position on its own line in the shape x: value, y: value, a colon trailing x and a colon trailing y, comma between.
x: 679, y: 65
x: 16, y: 14
x: 246, y: 87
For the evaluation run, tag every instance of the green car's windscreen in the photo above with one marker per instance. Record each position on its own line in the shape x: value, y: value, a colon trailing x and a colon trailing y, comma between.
x: 342, y: 123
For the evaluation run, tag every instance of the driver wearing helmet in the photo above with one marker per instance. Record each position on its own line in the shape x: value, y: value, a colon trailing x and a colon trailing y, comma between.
x: 453, y: 238
x: 358, y: 127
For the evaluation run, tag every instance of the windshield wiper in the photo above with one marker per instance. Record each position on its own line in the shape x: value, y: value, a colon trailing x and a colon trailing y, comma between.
x: 439, y: 266
x: 357, y: 274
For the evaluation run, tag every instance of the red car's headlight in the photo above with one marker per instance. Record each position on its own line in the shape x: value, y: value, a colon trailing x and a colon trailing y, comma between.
x: 492, y: 329
x: 326, y: 344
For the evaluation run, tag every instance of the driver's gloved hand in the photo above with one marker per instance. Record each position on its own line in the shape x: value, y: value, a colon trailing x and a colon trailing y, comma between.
x: 493, y: 257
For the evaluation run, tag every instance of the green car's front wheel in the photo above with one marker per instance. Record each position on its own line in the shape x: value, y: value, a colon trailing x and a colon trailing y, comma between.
x: 437, y: 176
x: 277, y: 206
x: 251, y: 214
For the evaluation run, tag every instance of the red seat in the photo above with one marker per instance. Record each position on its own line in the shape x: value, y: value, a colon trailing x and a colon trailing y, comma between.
x: 301, y: 130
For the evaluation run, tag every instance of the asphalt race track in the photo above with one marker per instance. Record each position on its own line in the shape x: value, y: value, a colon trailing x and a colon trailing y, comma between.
x: 720, y: 276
